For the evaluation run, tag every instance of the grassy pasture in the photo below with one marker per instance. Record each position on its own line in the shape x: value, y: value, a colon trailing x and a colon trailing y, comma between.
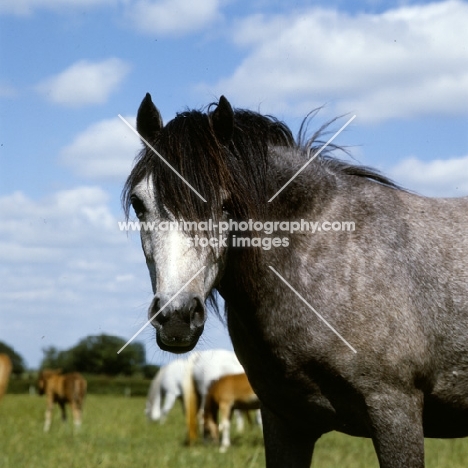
x: 115, y: 434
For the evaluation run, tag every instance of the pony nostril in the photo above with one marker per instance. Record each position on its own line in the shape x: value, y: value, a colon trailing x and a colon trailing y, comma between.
x: 186, y: 308
x: 161, y: 318
x: 157, y: 317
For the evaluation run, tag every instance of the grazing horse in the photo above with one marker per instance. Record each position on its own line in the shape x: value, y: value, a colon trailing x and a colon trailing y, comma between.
x: 62, y: 389
x: 165, y: 389
x: 362, y: 331
x: 189, y: 379
x: 205, y: 367
x: 225, y: 395
x: 5, y: 371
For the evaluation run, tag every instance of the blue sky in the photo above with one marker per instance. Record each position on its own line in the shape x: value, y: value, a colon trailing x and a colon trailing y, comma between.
x: 69, y: 67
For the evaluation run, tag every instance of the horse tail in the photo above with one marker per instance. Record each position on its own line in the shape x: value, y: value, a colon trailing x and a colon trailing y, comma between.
x: 153, y: 402
x: 190, y: 399
x: 5, y: 370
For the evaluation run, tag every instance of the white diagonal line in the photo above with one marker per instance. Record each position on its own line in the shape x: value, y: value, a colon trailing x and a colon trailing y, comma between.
x: 159, y: 156
x: 312, y: 158
x: 312, y: 309
x: 161, y: 309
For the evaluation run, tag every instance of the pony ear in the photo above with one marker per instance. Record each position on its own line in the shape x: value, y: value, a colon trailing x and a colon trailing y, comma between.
x: 223, y: 121
x: 149, y: 119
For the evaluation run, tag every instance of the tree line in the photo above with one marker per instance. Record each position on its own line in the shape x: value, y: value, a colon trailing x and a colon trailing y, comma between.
x: 94, y: 354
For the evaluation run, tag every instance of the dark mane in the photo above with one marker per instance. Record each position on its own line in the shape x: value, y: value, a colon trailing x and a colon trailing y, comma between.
x: 211, y: 168
x: 314, y: 143
x: 348, y: 169
x: 188, y: 143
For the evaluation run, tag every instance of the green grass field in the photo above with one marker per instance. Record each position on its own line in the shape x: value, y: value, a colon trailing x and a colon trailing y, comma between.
x: 115, y: 434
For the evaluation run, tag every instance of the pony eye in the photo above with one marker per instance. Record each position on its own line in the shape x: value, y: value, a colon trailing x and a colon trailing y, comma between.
x: 138, y: 206
x: 226, y: 207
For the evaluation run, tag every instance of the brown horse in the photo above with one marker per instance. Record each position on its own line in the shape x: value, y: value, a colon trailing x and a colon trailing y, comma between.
x: 225, y: 395
x: 62, y: 389
x: 5, y: 370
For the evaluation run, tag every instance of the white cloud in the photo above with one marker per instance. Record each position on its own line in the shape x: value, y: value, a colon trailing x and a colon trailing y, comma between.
x: 105, y: 150
x: 85, y: 82
x: 56, y: 222
x: 405, y: 62
x: 27, y: 7
x: 173, y: 17
x: 447, y: 177
x: 67, y: 270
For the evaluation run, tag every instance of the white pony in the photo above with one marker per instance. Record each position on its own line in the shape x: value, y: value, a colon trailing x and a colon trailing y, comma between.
x: 210, y: 366
x: 165, y: 389
x: 190, y: 379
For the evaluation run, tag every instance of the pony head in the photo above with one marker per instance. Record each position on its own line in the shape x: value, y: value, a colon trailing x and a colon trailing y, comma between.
x: 195, y: 172
x: 184, y: 264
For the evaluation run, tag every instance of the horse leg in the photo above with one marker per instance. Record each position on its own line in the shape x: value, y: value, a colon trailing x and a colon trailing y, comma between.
x: 48, y: 413
x: 240, y: 420
x: 63, y: 410
x: 76, y: 411
x: 286, y: 446
x: 258, y: 418
x: 225, y: 426
x: 153, y: 406
x: 201, y: 412
x: 169, y: 401
x: 397, y: 430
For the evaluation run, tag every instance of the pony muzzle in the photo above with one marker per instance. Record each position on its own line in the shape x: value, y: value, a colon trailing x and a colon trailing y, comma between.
x: 178, y: 324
